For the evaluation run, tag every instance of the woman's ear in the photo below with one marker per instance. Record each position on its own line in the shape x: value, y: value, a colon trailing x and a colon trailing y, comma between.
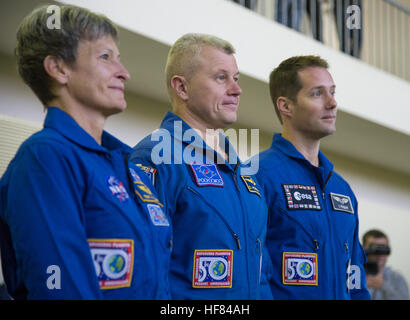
x: 179, y: 85
x: 56, y: 69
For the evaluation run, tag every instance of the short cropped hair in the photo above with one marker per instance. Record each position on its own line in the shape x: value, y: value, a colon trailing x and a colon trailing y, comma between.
x: 374, y: 233
x: 284, y: 80
x: 35, y: 41
x: 183, y: 56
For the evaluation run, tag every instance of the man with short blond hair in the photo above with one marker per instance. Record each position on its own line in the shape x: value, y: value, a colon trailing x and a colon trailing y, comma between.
x: 218, y: 214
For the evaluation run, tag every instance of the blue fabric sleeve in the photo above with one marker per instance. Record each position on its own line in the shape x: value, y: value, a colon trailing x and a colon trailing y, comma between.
x: 45, y: 217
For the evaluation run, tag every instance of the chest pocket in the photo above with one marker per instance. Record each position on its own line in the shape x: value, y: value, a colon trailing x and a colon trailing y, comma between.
x: 343, y: 215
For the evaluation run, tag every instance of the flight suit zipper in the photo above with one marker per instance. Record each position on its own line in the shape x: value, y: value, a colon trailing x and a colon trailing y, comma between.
x: 234, y: 234
x: 315, y: 242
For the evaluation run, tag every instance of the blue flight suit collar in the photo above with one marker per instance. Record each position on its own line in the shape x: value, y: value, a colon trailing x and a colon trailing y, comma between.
x: 177, y: 132
x: 323, y: 172
x: 62, y: 122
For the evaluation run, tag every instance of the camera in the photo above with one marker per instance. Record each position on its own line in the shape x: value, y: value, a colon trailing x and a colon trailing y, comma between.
x: 371, y: 267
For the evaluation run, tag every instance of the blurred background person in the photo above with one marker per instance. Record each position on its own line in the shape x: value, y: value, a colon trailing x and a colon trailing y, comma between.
x: 383, y: 282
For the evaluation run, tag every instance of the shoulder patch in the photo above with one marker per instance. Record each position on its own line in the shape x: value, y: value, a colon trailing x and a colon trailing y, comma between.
x: 251, y: 185
x: 207, y: 175
x: 301, y: 197
x: 299, y: 268
x: 113, y: 261
x: 149, y: 171
x: 141, y: 190
x: 212, y: 269
x: 341, y: 202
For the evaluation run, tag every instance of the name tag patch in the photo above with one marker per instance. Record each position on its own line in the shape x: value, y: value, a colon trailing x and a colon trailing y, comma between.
x: 341, y: 202
x: 158, y: 217
x: 141, y: 190
x: 301, y: 197
x: 299, y: 268
x: 250, y: 185
x: 207, y: 175
x: 113, y: 261
x: 212, y: 269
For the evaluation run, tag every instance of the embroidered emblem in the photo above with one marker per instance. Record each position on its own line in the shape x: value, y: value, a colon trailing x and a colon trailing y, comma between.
x: 158, y: 217
x: 301, y: 197
x: 142, y: 191
x: 113, y: 261
x: 117, y: 188
x: 250, y: 185
x: 299, y: 268
x: 341, y: 202
x: 212, y: 269
x: 207, y: 175
x: 149, y: 171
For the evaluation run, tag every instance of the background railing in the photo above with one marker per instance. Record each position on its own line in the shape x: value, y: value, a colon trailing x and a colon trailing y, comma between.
x: 375, y: 31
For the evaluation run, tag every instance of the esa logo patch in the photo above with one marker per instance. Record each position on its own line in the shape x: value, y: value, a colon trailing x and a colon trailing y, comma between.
x: 158, y: 217
x: 341, y: 202
x: 207, y: 175
x: 299, y: 268
x: 212, y: 269
x: 301, y: 197
x: 117, y: 188
x: 113, y: 261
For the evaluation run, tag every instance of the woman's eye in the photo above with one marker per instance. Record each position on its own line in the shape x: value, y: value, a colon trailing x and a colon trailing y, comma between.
x: 105, y: 56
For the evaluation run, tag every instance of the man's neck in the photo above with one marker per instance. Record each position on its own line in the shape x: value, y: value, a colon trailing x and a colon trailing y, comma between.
x: 210, y: 136
x: 308, y: 147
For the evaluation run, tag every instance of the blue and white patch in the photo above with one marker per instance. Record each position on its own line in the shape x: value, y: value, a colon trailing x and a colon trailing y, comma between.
x: 158, y: 217
x: 117, y: 188
x: 341, y: 202
x: 207, y: 175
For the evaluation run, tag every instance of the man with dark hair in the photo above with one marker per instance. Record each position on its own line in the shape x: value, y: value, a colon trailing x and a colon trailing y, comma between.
x: 78, y: 220
x: 312, y: 235
x: 383, y: 282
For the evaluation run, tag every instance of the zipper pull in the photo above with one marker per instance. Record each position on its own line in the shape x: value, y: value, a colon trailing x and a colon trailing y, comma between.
x: 238, y: 242
x: 346, y: 246
x: 316, y: 243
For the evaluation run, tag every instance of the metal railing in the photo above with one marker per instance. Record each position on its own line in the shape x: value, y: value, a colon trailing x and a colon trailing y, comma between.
x: 375, y: 31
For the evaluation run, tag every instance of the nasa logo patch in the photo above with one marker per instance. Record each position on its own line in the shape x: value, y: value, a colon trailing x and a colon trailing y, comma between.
x: 207, y: 175
x: 341, y: 202
x: 299, y: 268
x: 301, y: 197
x: 113, y: 261
x: 212, y: 269
x: 117, y: 188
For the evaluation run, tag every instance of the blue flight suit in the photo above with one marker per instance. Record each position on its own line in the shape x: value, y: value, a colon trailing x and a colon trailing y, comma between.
x: 312, y: 235
x: 78, y: 220
x: 219, y: 216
